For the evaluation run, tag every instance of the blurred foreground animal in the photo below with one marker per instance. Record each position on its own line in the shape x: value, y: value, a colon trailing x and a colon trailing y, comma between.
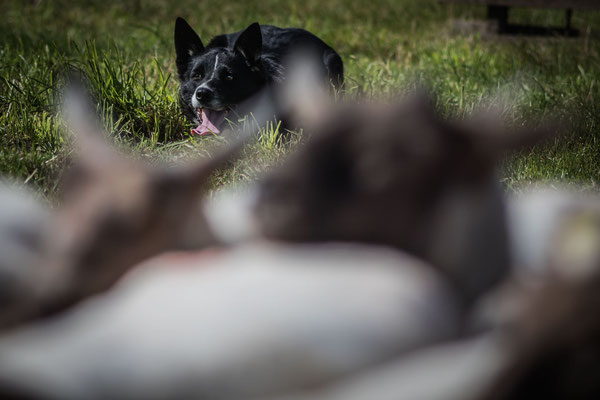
x: 397, y: 174
x: 545, y: 341
x: 549, y: 313
x: 24, y: 223
x: 311, y: 319
x: 254, y: 321
x: 115, y: 213
x: 258, y: 320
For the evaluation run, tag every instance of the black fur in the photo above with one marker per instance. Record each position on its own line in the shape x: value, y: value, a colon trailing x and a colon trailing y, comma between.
x: 237, y: 65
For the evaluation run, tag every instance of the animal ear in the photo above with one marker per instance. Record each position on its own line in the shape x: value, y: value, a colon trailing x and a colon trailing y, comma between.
x: 249, y: 43
x: 490, y: 136
x: 88, y: 135
x: 187, y: 45
x: 303, y: 98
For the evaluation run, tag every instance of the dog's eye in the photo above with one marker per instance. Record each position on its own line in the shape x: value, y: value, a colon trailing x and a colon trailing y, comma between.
x: 229, y: 77
x: 197, y: 75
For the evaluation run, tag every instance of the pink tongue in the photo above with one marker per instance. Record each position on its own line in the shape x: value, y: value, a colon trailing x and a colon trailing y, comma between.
x: 210, y: 120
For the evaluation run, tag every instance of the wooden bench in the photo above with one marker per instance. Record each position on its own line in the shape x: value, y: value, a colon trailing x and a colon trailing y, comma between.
x: 498, y: 11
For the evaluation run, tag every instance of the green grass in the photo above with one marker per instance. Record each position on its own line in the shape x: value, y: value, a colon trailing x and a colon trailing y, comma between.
x: 126, y: 51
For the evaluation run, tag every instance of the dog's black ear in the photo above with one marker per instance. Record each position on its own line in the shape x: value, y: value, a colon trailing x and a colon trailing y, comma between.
x: 187, y: 45
x: 249, y: 43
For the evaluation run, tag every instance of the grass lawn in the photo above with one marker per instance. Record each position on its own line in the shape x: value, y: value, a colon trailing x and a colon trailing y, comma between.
x: 126, y: 49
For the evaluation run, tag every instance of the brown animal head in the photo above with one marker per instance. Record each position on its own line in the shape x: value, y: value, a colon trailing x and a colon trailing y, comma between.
x: 397, y: 174
x: 118, y: 211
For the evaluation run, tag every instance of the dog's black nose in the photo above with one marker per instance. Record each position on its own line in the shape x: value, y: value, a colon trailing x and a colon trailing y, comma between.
x: 203, y: 95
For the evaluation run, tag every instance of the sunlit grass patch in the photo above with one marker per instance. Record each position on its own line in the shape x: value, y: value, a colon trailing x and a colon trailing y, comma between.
x: 125, y: 51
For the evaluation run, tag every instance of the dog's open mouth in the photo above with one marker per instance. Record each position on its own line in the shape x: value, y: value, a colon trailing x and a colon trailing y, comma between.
x: 210, y: 121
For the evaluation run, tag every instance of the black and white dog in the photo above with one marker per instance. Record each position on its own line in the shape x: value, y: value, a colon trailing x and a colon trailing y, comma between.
x: 215, y: 79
